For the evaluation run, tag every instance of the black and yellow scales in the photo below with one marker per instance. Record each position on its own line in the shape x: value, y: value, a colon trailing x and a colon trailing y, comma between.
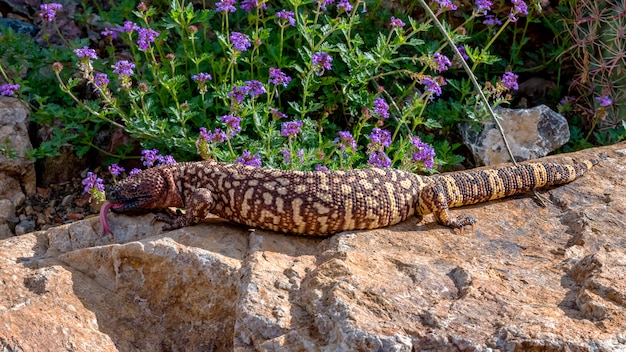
x: 321, y: 202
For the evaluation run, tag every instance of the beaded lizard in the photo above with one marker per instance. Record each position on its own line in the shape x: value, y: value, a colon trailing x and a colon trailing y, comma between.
x: 321, y: 202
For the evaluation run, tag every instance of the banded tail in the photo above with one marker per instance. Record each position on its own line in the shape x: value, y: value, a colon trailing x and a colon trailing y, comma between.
x: 470, y: 187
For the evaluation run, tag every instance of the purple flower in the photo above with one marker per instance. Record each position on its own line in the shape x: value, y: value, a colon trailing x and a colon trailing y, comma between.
x: 509, y: 80
x: 49, y: 11
x: 109, y: 33
x: 249, y: 159
x: 8, y: 89
x: 379, y: 139
x: 346, y: 141
x: 446, y: 4
x: 255, y: 88
x: 287, y: 16
x: 423, y: 152
x: 146, y: 36
x: 86, y: 53
x: 92, y: 182
x: 166, y: 160
x: 225, y: 6
x: 321, y: 168
x: 115, y: 169
x: 218, y: 136
x: 240, y: 41
x: 277, y: 114
x: 100, y: 81
x: 491, y: 20
x: 128, y: 27
x: 381, y: 108
x: 463, y: 52
x: 482, y: 6
x: 150, y: 157
x: 379, y: 160
x: 396, y: 22
x: 290, y: 128
x: 519, y: 8
x: 321, y: 62
x: 239, y: 93
x: 201, y: 78
x: 604, y: 101
x: 124, y: 69
x: 432, y: 86
x: 286, y: 156
x: 323, y: 3
x: 248, y: 5
x: 442, y: 61
x: 134, y: 171
x: 278, y: 77
x: 232, y: 124
x: 344, y: 5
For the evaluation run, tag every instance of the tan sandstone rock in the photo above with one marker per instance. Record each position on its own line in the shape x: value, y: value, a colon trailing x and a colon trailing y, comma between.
x: 528, y: 278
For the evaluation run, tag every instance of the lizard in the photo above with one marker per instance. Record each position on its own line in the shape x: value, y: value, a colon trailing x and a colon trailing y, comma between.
x: 321, y: 202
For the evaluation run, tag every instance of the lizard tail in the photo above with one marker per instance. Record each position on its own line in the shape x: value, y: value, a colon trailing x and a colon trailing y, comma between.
x: 470, y: 187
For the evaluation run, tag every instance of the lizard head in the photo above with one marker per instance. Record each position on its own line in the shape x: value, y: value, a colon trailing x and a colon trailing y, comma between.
x: 139, y: 193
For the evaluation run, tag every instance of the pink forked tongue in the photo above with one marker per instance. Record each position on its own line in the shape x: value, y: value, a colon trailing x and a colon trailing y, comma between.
x: 103, y: 217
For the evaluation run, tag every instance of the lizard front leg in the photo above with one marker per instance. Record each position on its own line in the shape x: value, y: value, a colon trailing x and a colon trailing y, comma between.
x: 433, y: 200
x: 198, y: 204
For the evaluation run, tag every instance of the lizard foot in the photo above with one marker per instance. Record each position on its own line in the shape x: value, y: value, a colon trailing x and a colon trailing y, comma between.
x: 462, y: 221
x: 173, y: 221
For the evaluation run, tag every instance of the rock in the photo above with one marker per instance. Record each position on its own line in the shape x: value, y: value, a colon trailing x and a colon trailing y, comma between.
x: 531, y: 133
x: 25, y: 226
x: 527, y: 278
x: 17, y: 172
x: 61, y: 168
x: 17, y: 26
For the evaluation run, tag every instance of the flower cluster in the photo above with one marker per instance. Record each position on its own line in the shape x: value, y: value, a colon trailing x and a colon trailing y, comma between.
x: 290, y: 129
x: 433, y: 85
x: 346, y: 142
x: 232, y: 124
x: 379, y: 140
x: 519, y: 8
x: 381, y: 108
x: 49, y: 11
x: 248, y: 5
x: 344, y: 5
x: 151, y: 157
x: 482, y: 6
x: 201, y: 78
x: 249, y: 159
x: 146, y: 36
x: 604, y: 101
x: 124, y: 69
x: 423, y: 153
x: 321, y: 61
x: 116, y: 170
x: 8, y: 89
x: 94, y: 186
x: 446, y: 5
x: 278, y: 77
x: 225, y: 6
x: 286, y: 17
x: 441, y: 62
x: 509, y: 80
x: 396, y: 22
x: 240, y: 41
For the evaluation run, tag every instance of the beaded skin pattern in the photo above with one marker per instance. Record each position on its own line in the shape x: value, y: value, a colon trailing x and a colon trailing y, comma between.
x: 323, y: 202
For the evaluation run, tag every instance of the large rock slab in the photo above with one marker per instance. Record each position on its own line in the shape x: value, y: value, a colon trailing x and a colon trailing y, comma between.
x: 528, y: 278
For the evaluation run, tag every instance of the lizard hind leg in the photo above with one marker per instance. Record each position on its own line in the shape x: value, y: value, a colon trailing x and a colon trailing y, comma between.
x: 198, y: 204
x: 433, y: 199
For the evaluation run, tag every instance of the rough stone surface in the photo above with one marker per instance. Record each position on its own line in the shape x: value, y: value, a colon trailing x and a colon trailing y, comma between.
x: 531, y: 133
x: 528, y: 278
x: 16, y: 171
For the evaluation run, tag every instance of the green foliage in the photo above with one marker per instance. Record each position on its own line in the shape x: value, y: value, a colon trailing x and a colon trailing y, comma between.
x: 349, y: 70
